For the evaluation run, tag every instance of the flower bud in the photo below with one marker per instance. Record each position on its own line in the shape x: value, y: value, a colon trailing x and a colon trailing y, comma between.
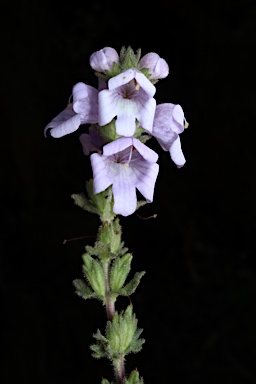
x: 104, y: 59
x: 158, y: 67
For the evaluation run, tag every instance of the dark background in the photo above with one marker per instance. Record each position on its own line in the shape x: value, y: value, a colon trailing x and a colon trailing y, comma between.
x: 196, y: 302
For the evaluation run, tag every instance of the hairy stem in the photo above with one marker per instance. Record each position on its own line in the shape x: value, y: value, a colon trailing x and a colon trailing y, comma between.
x: 119, y: 370
x: 110, y: 303
x: 110, y: 309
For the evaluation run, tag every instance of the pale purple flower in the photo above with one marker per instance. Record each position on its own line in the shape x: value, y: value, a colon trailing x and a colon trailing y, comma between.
x: 129, y: 97
x: 104, y: 59
x: 92, y: 141
x: 168, y: 123
x: 158, y: 67
x: 83, y: 110
x: 126, y: 164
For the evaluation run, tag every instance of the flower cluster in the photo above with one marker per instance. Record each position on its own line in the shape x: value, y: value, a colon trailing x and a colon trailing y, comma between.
x: 122, y: 115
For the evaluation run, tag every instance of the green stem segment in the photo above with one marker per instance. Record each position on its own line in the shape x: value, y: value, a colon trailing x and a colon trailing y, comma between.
x: 119, y: 370
x: 110, y: 309
x: 110, y: 303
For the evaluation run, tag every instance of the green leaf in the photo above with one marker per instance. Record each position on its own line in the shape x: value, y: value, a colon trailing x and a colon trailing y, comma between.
x: 122, y: 337
x: 100, y: 349
x: 103, y: 202
x: 134, y: 378
x: 83, y: 290
x: 94, y: 273
x: 119, y: 271
x: 105, y: 381
x: 84, y: 203
x: 129, y: 288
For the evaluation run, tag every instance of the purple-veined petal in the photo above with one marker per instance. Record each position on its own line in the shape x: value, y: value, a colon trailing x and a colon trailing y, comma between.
x: 125, y: 199
x: 146, y: 152
x: 146, y: 180
x: 178, y: 116
x: 168, y: 124
x: 166, y: 140
x: 92, y: 141
x: 117, y: 145
x: 101, y: 178
x: 79, y: 91
x: 88, y: 111
x: 145, y: 84
x: 87, y: 107
x: 86, y: 142
x: 128, y: 98
x: 64, y: 123
x: 121, y: 79
x: 169, y: 116
x: 107, y: 106
x: 102, y: 84
x: 126, y: 164
x: 177, y: 154
x: 128, y: 75
x: 164, y: 121
x: 146, y: 112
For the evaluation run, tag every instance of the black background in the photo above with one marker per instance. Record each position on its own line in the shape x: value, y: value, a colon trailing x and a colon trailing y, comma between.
x: 196, y: 302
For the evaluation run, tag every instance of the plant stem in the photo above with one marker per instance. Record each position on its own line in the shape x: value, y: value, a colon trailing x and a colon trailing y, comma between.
x: 119, y: 370
x: 110, y: 309
x: 110, y: 303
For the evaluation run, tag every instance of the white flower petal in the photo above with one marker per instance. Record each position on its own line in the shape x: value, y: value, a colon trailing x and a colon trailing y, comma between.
x: 121, y: 79
x: 147, y: 153
x: 146, y: 113
x: 178, y: 115
x: 177, y: 154
x: 146, y: 179
x: 79, y: 91
x: 64, y: 123
x: 145, y: 84
x: 107, y: 106
x: 117, y: 145
x: 125, y: 199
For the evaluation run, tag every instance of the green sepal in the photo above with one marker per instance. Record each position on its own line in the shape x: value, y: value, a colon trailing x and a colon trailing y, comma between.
x: 122, y: 250
x: 140, y: 203
x: 101, y: 250
x: 115, y: 70
x: 110, y: 234
x: 145, y: 72
x: 144, y: 138
x: 91, y: 250
x: 128, y: 59
x: 115, y: 236
x: 139, y: 131
x: 100, y: 203
x: 109, y: 243
x: 83, y: 290
x: 82, y: 202
x: 129, y: 288
x: 134, y: 378
x: 108, y: 131
x: 103, y: 202
x: 93, y: 272
x: 119, y: 271
x: 101, y: 75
